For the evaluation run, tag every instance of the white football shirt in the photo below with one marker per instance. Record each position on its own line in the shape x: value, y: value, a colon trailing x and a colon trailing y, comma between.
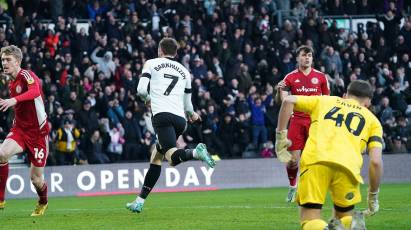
x: 168, y: 82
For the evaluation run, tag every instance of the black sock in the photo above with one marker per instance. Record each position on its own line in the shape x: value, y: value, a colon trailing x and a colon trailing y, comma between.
x: 150, y: 180
x: 181, y: 155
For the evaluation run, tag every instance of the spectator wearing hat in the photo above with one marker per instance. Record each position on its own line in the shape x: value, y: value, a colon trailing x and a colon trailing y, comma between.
x: 87, y: 119
x: 105, y: 64
x: 398, y: 145
x: 199, y: 70
x: 66, y: 143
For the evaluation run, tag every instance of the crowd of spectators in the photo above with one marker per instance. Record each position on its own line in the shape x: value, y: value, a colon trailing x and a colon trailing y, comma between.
x: 234, y: 50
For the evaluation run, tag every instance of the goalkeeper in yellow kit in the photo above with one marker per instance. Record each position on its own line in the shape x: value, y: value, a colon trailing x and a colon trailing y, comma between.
x: 341, y: 129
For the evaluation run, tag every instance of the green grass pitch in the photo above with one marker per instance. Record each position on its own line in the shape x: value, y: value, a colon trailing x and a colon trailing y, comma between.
x: 224, y: 209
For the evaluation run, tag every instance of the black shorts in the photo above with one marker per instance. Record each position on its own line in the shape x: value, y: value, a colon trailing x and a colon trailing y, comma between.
x: 168, y: 128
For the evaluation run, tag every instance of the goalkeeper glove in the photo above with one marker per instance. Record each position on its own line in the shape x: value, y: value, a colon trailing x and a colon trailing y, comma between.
x: 281, y: 145
x: 373, y: 205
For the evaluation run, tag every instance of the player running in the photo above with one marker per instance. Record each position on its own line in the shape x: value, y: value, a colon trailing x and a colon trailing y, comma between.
x: 341, y: 129
x: 308, y: 81
x: 30, y: 129
x: 170, y: 98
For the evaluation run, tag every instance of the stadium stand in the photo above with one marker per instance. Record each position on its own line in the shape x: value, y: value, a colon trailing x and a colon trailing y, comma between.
x: 89, y: 55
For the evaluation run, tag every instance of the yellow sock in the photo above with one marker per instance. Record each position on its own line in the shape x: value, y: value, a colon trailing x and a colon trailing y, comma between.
x: 316, y: 224
x: 346, y: 221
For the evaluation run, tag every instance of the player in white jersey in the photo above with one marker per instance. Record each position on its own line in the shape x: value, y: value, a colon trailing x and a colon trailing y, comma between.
x: 170, y: 99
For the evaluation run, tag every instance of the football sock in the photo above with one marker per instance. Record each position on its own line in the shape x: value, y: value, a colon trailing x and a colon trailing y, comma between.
x: 346, y: 221
x: 150, y: 180
x: 292, y: 175
x: 42, y: 192
x: 4, y: 173
x: 140, y: 200
x: 316, y: 224
x: 181, y: 155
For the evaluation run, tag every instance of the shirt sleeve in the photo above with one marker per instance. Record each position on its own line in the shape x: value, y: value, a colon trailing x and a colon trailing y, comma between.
x: 142, y: 87
x: 375, y: 140
x: 188, y: 83
x: 325, y: 87
x: 33, y: 88
x: 287, y: 83
x: 306, y: 104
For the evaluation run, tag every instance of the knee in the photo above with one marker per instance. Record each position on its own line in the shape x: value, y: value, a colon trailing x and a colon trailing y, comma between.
x: 3, y: 157
x: 36, y: 180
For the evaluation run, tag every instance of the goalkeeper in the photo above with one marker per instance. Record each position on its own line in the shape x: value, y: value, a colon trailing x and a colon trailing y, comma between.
x: 341, y: 129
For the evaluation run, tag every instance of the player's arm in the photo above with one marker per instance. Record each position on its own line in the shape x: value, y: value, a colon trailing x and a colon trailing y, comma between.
x: 142, y: 87
x: 282, y: 91
x: 33, y: 91
x: 291, y: 103
x: 375, y: 168
x: 281, y: 140
x: 188, y: 105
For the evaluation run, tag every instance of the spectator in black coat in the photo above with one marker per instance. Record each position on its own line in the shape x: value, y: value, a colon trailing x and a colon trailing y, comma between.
x: 133, y: 138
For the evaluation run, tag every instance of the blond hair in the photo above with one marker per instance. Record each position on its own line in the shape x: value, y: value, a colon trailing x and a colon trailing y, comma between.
x: 13, y: 51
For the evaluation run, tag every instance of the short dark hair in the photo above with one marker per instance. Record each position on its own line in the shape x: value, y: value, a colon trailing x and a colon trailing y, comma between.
x: 169, y: 46
x: 305, y: 49
x: 360, y: 88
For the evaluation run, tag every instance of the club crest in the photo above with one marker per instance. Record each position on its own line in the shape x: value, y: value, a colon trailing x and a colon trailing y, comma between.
x: 314, y: 80
x: 18, y: 89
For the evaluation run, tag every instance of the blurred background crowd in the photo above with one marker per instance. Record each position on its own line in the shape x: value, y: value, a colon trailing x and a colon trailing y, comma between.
x: 237, y: 51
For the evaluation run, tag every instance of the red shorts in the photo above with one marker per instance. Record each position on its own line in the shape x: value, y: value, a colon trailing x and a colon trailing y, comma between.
x: 37, y: 148
x: 298, y: 132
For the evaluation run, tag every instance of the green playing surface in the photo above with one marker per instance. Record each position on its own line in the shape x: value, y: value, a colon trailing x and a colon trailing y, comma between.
x: 224, y: 209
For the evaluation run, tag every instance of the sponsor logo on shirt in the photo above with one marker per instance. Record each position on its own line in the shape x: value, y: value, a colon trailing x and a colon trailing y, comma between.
x: 303, y: 89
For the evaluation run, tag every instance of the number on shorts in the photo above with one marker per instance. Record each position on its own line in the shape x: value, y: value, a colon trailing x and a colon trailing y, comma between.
x: 172, y: 84
x: 38, y: 154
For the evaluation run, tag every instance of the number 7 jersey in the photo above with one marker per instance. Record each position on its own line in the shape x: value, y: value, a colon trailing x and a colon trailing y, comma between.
x: 340, y: 131
x: 169, y: 80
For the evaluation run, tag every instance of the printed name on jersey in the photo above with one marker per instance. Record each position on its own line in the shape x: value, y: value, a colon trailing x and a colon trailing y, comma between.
x: 170, y: 65
x: 314, y: 80
x: 18, y: 89
x: 306, y: 90
x: 28, y: 77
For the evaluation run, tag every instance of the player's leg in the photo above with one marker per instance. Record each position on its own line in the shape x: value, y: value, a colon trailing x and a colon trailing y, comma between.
x: 11, y: 145
x: 292, y: 170
x: 345, y: 192
x: 311, y: 194
x: 310, y: 216
x: 150, y: 180
x: 168, y: 138
x: 295, y: 134
x: 36, y: 177
x: 38, y: 151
